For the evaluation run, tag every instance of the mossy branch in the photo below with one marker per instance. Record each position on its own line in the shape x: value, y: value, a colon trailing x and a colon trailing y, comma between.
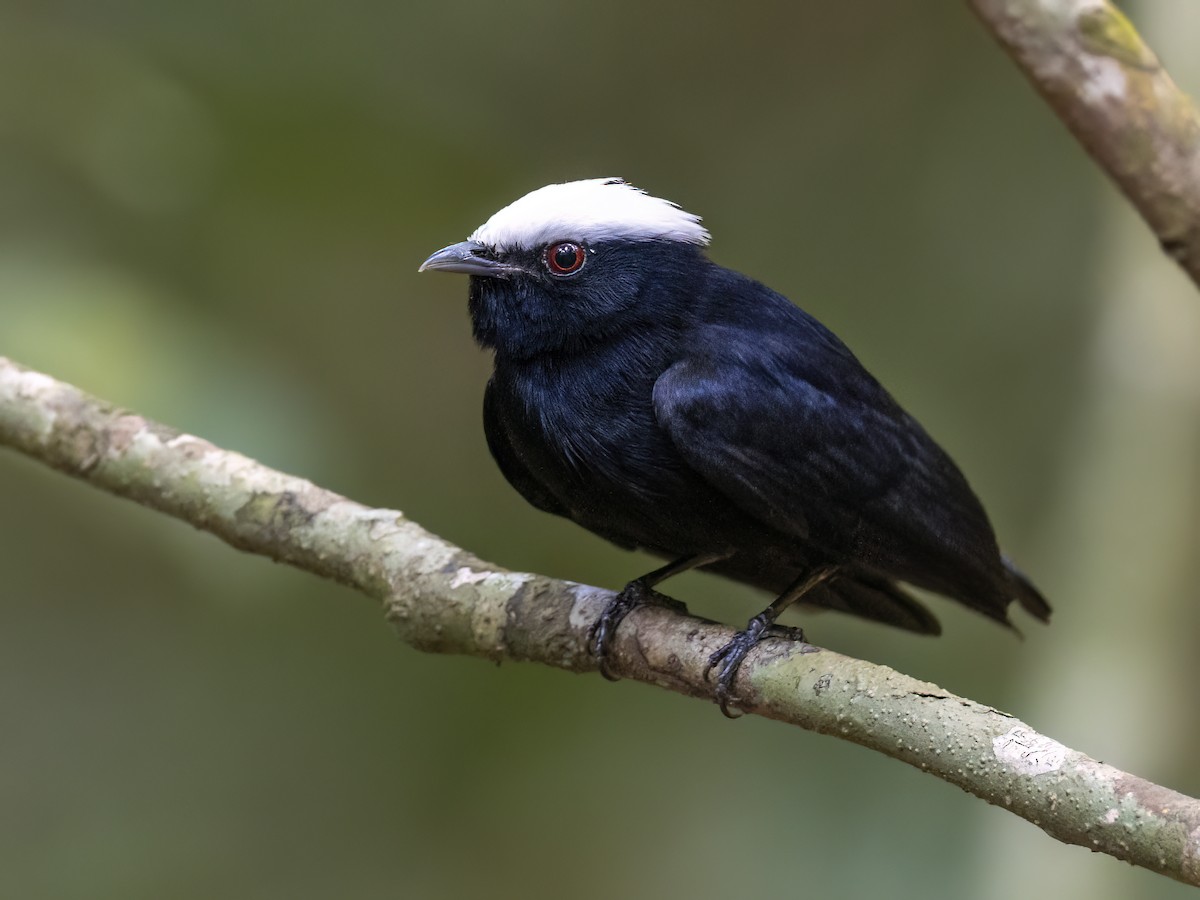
x: 442, y: 599
x: 1108, y: 86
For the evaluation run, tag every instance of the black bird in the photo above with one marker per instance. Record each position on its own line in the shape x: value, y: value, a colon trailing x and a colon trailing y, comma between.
x: 669, y: 404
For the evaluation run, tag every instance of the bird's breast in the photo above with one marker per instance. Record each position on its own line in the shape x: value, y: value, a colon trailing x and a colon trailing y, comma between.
x: 588, y: 433
x: 590, y: 438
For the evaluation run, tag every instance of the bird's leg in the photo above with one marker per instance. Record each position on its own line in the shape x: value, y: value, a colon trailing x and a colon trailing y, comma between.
x: 729, y: 658
x: 639, y: 592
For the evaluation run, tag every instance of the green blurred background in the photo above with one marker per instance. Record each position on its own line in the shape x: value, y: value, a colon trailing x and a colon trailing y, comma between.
x: 213, y: 214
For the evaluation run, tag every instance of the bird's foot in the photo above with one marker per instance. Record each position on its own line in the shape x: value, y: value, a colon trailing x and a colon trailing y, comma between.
x: 604, y: 631
x: 729, y: 658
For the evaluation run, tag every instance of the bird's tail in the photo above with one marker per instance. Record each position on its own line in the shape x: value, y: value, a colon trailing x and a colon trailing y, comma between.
x: 1026, y: 594
x: 875, y: 598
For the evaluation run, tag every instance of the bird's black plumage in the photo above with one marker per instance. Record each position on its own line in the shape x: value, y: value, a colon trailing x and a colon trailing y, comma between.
x: 667, y: 403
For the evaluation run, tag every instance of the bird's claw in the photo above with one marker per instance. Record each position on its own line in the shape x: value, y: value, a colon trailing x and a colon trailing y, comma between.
x: 604, y: 631
x: 728, y: 659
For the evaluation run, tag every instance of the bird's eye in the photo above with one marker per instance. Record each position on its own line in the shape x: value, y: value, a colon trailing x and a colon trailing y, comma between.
x: 565, y: 258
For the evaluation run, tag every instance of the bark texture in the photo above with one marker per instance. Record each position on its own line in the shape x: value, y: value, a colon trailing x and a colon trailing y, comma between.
x: 1109, y: 88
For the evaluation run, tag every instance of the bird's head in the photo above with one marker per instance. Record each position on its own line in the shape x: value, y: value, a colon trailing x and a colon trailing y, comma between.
x: 570, y: 263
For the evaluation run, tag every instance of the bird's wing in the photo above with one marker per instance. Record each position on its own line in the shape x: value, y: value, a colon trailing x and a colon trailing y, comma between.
x: 774, y: 442
x: 793, y: 430
x: 509, y: 461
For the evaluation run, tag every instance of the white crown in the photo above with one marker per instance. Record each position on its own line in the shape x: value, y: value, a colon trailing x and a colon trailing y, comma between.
x: 591, y: 211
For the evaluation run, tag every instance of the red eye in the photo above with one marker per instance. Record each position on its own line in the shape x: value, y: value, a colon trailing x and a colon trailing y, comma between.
x: 565, y: 258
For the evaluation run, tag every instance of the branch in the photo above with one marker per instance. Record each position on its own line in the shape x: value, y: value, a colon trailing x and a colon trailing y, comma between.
x: 1092, y: 67
x: 442, y: 599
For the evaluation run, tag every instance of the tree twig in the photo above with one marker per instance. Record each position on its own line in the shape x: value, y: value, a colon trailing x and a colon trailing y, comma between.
x: 1096, y: 72
x: 442, y: 599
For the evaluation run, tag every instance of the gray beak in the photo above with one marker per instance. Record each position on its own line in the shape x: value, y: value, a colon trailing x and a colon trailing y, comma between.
x: 465, y: 258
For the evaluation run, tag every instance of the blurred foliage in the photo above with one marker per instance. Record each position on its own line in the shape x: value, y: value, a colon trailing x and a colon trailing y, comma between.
x: 213, y: 213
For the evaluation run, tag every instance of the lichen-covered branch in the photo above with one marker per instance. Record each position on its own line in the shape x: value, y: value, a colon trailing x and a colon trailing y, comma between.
x: 442, y: 599
x: 1110, y: 89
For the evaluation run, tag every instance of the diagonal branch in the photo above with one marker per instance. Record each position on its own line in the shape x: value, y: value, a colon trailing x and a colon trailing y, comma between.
x: 442, y: 599
x: 1092, y: 67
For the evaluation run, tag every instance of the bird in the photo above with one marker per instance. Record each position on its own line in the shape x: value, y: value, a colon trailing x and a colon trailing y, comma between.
x: 669, y: 404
